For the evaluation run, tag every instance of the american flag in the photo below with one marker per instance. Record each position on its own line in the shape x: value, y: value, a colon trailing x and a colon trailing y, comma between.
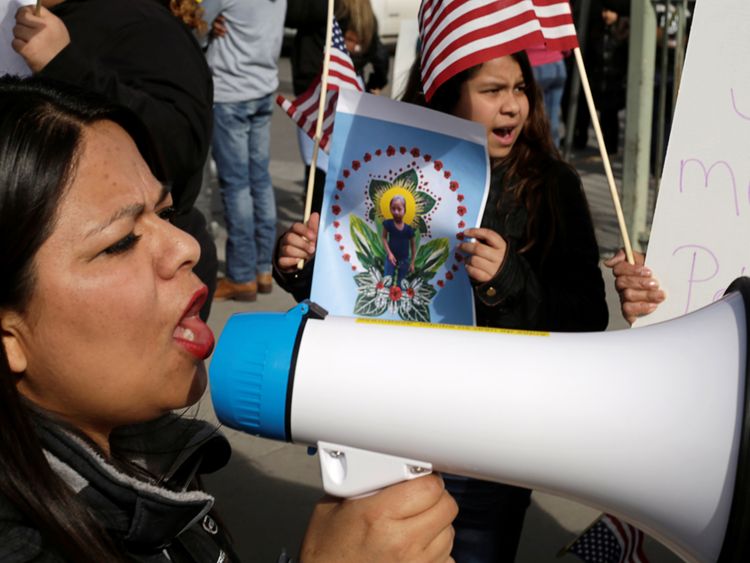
x: 458, y: 34
x: 610, y: 540
x: 341, y: 75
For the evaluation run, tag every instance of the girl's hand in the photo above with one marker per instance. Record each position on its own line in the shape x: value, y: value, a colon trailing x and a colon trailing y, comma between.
x: 486, y: 254
x: 392, y: 258
x: 639, y: 290
x: 411, y: 267
x: 298, y: 243
x: 38, y: 39
x: 409, y: 522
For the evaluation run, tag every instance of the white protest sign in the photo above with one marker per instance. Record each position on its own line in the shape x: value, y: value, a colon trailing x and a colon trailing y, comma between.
x: 701, y: 228
x: 10, y: 61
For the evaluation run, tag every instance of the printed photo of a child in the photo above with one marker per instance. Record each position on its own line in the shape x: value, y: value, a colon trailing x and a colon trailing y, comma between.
x: 399, y: 242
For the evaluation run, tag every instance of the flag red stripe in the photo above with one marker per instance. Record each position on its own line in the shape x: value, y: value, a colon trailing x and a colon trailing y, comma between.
x: 481, y: 56
x: 453, y: 32
x: 503, y: 26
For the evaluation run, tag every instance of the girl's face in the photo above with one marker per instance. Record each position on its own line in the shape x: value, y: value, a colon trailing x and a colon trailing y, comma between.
x: 111, y: 335
x: 397, y: 210
x: 496, y: 97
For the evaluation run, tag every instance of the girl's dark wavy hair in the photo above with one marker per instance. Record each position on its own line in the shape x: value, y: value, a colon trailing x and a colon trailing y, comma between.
x: 527, y: 167
x: 41, y: 130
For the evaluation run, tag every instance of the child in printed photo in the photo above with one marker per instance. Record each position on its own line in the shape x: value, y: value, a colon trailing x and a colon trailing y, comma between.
x: 399, y: 241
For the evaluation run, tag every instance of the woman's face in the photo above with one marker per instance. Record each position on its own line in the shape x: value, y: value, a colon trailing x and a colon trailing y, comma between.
x: 112, y: 334
x: 496, y: 97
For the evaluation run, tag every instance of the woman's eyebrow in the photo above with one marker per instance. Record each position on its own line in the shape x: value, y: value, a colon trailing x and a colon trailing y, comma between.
x: 132, y: 210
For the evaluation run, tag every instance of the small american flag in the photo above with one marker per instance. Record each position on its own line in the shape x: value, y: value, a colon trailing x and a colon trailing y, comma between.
x: 458, y: 34
x: 341, y: 75
x: 610, y: 540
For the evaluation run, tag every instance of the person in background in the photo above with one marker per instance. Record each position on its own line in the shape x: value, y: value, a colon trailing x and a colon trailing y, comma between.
x: 606, y: 59
x: 100, y: 340
x: 138, y: 54
x: 243, y: 63
x: 360, y: 29
x: 369, y: 55
x: 550, y: 74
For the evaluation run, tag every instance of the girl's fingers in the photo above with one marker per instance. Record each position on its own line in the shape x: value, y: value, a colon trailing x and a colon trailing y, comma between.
x: 488, y: 236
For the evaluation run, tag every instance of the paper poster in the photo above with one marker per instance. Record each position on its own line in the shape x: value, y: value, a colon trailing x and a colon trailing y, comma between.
x: 701, y: 228
x: 388, y: 159
x: 10, y: 61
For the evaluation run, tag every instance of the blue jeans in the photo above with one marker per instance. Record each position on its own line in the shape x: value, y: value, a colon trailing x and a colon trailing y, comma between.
x: 241, y: 146
x: 551, y: 79
x: 490, y: 519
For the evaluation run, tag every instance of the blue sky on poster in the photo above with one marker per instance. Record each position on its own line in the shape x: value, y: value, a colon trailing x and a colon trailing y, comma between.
x: 380, y: 148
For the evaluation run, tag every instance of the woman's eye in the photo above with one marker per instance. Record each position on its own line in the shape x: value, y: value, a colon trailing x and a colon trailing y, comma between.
x: 167, y: 213
x: 123, y: 245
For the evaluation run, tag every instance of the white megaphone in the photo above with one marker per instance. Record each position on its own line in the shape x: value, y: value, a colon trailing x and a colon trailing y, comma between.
x: 648, y: 424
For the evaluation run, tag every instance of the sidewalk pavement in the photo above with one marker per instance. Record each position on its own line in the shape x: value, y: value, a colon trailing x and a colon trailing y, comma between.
x: 267, y: 492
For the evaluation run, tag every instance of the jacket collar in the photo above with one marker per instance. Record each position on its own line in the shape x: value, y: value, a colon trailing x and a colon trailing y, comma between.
x: 144, y: 512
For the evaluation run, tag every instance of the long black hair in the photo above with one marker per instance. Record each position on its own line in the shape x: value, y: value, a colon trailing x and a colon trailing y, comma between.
x: 41, y: 130
x: 526, y: 168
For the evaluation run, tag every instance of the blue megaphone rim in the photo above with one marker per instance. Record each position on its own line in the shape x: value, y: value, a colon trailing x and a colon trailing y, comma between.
x: 253, y: 368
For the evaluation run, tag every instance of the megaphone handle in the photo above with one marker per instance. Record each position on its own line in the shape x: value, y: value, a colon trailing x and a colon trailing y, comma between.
x: 352, y: 472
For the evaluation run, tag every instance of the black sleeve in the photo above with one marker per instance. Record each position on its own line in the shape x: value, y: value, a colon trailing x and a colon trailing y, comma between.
x: 158, y: 71
x: 561, y: 290
x: 306, y: 13
x: 378, y: 57
x: 622, y: 7
x: 297, y: 283
x: 22, y: 543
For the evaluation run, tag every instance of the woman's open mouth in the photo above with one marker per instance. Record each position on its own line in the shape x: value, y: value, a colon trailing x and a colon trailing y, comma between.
x: 504, y: 135
x: 191, y: 332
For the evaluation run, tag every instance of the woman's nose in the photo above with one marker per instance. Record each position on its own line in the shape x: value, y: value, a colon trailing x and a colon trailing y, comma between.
x: 177, y: 250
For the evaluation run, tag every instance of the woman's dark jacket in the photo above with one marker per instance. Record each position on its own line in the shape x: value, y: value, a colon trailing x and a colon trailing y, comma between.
x: 558, y: 289
x: 157, y: 517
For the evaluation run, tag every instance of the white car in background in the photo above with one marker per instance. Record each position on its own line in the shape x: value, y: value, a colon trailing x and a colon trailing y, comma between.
x: 390, y: 13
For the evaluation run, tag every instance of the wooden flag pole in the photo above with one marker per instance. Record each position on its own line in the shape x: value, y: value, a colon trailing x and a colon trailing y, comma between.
x: 604, y: 155
x: 319, y: 123
x: 38, y: 7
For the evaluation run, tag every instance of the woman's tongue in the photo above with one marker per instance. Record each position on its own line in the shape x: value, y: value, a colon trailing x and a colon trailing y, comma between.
x: 196, y: 332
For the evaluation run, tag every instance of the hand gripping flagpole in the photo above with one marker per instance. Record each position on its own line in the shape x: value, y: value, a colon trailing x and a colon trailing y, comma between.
x: 319, y: 123
x: 604, y: 155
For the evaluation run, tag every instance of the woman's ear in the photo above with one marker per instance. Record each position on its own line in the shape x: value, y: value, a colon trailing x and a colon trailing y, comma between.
x: 10, y: 337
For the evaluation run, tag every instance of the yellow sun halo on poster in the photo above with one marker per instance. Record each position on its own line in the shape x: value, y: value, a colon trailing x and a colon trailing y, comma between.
x: 411, y: 203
